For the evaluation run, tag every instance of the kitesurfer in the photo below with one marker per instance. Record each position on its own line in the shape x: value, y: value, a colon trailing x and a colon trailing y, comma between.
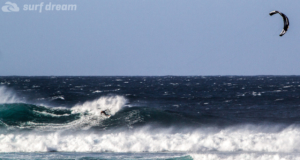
x: 104, y: 112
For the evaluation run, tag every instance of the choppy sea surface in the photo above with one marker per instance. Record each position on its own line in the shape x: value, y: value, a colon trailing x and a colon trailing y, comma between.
x: 168, y: 117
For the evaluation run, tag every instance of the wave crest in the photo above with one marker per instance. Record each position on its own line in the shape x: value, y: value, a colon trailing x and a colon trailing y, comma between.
x: 112, y: 104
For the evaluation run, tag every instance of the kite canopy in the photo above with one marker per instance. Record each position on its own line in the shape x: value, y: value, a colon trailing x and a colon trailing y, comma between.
x: 285, y: 21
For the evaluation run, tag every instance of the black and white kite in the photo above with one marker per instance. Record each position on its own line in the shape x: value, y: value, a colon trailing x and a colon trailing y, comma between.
x: 285, y: 21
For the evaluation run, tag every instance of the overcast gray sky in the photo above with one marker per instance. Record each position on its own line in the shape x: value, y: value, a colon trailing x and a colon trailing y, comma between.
x: 150, y: 37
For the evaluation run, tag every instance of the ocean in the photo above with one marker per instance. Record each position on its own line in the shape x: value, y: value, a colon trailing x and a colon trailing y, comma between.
x: 159, y: 117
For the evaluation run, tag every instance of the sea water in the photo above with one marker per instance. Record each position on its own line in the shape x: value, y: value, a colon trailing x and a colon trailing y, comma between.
x: 168, y: 117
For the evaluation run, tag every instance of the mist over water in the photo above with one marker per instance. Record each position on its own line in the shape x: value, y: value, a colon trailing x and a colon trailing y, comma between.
x: 188, y: 117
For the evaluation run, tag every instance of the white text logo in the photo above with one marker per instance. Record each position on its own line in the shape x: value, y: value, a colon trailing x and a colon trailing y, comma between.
x: 50, y: 7
x: 13, y: 7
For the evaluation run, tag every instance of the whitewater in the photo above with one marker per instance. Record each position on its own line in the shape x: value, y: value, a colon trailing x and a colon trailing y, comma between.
x: 151, y: 117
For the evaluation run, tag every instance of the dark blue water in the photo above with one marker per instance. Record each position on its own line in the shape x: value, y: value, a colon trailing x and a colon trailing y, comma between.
x: 194, y: 115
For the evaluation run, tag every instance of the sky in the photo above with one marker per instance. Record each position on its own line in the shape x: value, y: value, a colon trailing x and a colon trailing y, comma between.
x: 148, y: 38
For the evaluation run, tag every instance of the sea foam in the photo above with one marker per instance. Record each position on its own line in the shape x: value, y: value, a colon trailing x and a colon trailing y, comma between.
x: 111, y: 104
x: 203, y: 141
x: 8, y: 96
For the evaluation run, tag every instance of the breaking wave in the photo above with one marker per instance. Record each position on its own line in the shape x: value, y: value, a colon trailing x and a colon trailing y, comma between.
x: 82, y: 116
x: 238, y: 139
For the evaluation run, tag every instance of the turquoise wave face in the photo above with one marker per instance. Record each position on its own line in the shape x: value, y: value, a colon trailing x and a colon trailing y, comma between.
x: 22, y: 115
